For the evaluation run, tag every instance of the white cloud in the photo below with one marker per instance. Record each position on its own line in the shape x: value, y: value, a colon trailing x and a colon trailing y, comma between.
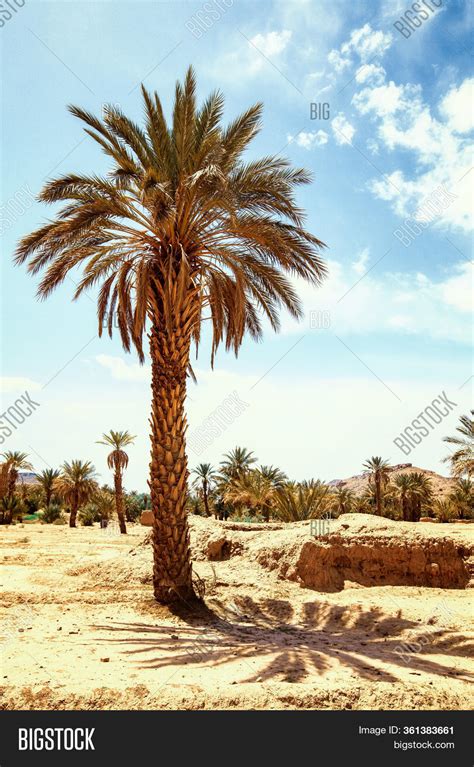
x: 408, y: 302
x: 442, y: 151
x: 458, y: 290
x: 370, y: 73
x: 273, y: 43
x: 372, y: 146
x: 323, y: 451
x: 456, y: 107
x: 310, y: 139
x: 339, y: 62
x: 367, y: 43
x: 313, y: 76
x: 364, y: 43
x: 250, y: 57
x: 360, y: 266
x: 440, y: 148
x: 13, y: 384
x: 122, y: 370
x: 387, y: 99
x: 342, y: 129
x: 63, y: 428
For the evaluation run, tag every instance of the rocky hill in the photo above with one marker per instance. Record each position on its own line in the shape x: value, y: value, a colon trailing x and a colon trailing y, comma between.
x: 358, y: 483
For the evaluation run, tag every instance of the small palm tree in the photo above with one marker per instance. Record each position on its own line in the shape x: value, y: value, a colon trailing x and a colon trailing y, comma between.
x: 10, y: 506
x: 343, y: 500
x: 303, y: 500
x: 16, y: 461
x: 275, y: 475
x: 253, y: 490
x: 183, y: 229
x: 47, y: 480
x: 462, y: 460
x: 419, y: 493
x: 444, y: 510
x: 118, y: 461
x: 205, y: 476
x: 237, y: 462
x: 76, y: 485
x: 403, y: 483
x: 379, y: 474
x: 362, y: 504
x: 105, y: 504
x: 462, y: 498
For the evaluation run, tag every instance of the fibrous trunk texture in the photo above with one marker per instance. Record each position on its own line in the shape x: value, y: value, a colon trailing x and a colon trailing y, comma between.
x: 172, y: 570
x: 73, y: 514
x: 119, y: 502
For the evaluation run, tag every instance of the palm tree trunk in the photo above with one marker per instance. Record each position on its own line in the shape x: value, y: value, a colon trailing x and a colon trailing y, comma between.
x: 12, y: 477
x: 205, y: 499
x: 74, y: 508
x: 378, y: 505
x: 172, y: 569
x: 48, y: 496
x: 119, y: 502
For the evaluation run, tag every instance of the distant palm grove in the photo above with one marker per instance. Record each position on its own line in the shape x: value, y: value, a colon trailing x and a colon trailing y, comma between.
x: 238, y: 489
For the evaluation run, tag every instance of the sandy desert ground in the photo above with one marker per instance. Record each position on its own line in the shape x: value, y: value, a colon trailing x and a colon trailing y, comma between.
x: 81, y: 628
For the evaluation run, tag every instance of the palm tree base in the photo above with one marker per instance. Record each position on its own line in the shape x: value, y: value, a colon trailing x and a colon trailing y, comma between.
x: 173, y: 595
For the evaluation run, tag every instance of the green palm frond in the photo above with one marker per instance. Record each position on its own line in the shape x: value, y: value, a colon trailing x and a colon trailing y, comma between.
x: 180, y: 204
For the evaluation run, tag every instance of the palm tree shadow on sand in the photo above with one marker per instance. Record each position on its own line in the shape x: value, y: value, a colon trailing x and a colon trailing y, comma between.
x: 365, y: 641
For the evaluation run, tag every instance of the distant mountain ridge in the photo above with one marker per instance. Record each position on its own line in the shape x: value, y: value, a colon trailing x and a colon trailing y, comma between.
x: 27, y: 478
x: 358, y: 482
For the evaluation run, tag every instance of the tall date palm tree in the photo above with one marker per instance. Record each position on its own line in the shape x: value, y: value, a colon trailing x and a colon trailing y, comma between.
x: 118, y: 461
x: 182, y: 229
x: 205, y: 476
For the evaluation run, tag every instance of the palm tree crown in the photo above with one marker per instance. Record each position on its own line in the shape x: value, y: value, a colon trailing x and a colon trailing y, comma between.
x: 462, y: 460
x: 77, y: 475
x: 47, y: 479
x: 275, y: 475
x: 205, y: 472
x: 377, y: 464
x: 181, y: 216
x: 15, y: 461
x: 118, y: 458
x: 76, y: 484
x: 237, y: 462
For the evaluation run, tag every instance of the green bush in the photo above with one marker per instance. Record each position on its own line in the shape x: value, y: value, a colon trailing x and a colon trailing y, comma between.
x: 51, y: 513
x: 258, y: 518
x: 444, y: 511
x: 135, y: 503
x: 11, y: 509
x: 32, y: 504
x: 89, y: 514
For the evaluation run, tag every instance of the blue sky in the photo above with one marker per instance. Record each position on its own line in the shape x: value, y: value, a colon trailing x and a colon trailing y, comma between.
x: 395, y: 150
